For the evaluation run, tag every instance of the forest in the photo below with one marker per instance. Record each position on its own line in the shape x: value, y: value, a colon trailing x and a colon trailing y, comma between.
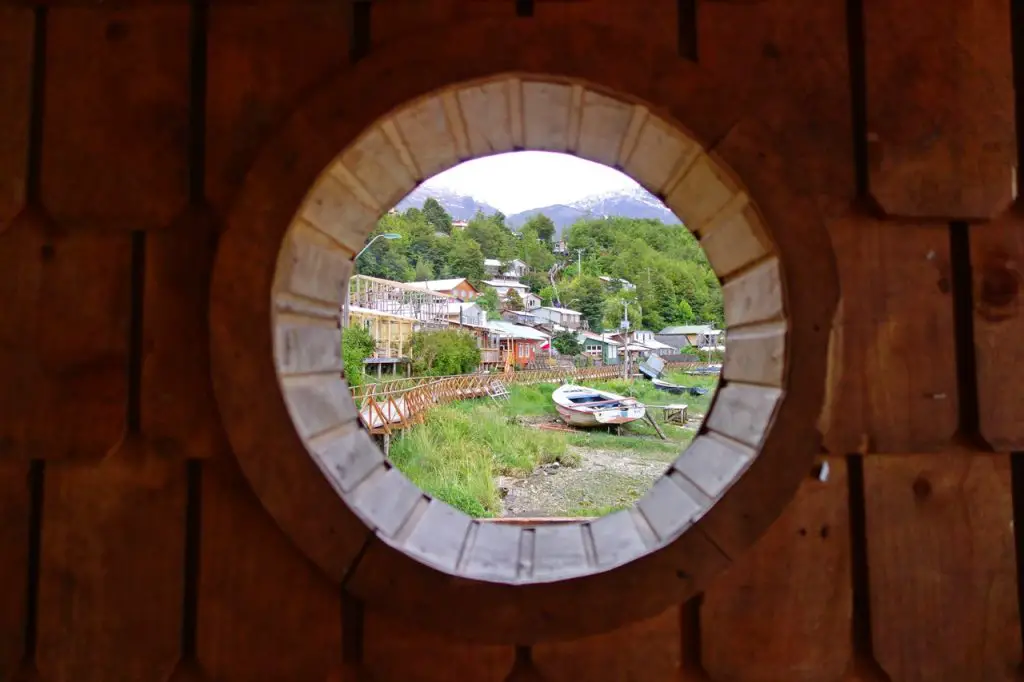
x: 674, y: 284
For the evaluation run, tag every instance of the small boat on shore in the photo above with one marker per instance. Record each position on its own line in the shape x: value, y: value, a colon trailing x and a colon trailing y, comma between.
x: 669, y: 387
x: 582, y: 406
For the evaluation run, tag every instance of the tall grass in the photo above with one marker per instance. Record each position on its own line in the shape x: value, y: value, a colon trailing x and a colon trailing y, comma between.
x: 460, y: 449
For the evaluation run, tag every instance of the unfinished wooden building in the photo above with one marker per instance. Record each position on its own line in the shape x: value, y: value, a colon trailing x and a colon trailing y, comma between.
x: 185, y: 492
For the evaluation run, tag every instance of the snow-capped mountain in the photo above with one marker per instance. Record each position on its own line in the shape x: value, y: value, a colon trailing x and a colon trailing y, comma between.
x: 627, y: 203
x: 459, y: 206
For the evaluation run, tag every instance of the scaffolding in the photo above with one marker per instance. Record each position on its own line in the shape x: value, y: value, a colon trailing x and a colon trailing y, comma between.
x: 428, y: 308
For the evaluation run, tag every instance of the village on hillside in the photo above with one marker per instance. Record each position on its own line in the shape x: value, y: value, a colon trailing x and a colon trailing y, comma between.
x: 486, y: 359
x: 522, y: 338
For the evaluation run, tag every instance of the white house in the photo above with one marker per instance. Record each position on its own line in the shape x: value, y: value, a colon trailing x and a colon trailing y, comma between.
x: 701, y: 336
x: 515, y: 269
x: 502, y: 286
x: 467, y: 313
x: 570, y: 319
x: 531, y: 301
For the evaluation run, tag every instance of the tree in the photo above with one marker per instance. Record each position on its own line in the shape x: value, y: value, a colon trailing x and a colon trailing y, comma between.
x: 490, y: 302
x: 356, y: 346
x: 494, y: 239
x: 586, y: 294
x: 547, y: 295
x: 542, y: 225
x: 536, y: 281
x: 513, y: 301
x: 466, y: 259
x: 424, y: 271
x: 443, y: 353
x: 534, y: 252
x: 567, y: 343
x: 436, y: 215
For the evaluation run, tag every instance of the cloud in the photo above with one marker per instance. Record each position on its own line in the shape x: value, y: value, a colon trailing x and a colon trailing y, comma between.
x: 517, y: 181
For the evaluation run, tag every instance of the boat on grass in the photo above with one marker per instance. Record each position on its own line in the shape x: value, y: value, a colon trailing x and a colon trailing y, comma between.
x: 669, y: 387
x: 586, y: 407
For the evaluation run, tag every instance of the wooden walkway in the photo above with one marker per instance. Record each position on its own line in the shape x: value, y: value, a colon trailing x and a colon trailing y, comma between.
x: 389, y: 406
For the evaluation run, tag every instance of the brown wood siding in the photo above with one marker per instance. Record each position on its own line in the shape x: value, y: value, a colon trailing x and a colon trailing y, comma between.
x: 132, y: 546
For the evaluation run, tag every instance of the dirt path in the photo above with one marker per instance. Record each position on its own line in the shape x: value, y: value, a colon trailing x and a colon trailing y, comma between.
x: 603, y: 481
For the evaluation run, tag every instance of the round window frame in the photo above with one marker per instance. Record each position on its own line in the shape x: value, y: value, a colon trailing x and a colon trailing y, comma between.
x: 247, y: 339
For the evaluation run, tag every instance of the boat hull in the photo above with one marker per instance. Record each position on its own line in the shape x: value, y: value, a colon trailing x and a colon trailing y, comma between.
x: 622, y: 411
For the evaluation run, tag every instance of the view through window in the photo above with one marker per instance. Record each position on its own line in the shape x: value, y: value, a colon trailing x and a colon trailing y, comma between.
x: 533, y: 335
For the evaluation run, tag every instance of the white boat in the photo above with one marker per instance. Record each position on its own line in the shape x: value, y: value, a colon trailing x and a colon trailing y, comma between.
x: 582, y: 406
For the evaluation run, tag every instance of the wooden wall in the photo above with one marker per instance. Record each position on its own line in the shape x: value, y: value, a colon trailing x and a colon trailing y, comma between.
x: 133, y: 549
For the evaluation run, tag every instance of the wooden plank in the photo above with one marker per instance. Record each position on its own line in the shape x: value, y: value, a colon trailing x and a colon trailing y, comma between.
x: 115, y: 132
x: 178, y: 410
x: 16, y: 42
x: 63, y: 339
x: 21, y: 268
x: 940, y: 546
x: 112, y: 560
x: 782, y: 611
x: 787, y: 64
x: 15, y: 505
x: 894, y: 387
x: 940, y: 108
x: 646, y: 650
x: 655, y: 20
x: 265, y: 611
x: 262, y: 59
x: 395, y: 650
x: 997, y: 251
x: 396, y: 18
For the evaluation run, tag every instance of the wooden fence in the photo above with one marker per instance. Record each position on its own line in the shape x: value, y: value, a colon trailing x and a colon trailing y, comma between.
x: 389, y: 406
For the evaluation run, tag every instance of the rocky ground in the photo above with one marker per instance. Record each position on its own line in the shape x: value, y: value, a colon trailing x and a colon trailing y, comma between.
x: 603, y: 481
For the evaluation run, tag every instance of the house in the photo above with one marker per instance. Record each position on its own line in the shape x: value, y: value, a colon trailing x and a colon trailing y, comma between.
x: 560, y: 247
x: 531, y: 301
x: 700, y: 336
x: 467, y: 313
x: 619, y: 283
x: 502, y: 286
x: 458, y: 287
x: 570, y: 319
x: 520, y: 345
x: 519, y: 317
x: 391, y: 336
x: 513, y: 270
x: 459, y: 224
x: 599, y: 348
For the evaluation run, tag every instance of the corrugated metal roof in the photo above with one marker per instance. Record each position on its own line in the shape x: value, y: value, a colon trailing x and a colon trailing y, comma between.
x: 439, y: 284
x: 690, y: 329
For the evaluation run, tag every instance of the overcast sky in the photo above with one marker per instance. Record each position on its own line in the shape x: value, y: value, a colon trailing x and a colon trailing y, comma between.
x: 518, y: 181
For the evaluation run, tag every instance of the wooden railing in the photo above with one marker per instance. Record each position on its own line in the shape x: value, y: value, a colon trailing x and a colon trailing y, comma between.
x: 389, y: 406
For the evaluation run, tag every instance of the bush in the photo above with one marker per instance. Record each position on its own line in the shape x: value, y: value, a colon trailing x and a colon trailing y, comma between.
x: 703, y: 355
x: 444, y: 353
x: 356, y: 346
x: 567, y: 343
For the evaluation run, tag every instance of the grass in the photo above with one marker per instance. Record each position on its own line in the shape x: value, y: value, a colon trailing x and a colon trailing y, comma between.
x: 460, y: 450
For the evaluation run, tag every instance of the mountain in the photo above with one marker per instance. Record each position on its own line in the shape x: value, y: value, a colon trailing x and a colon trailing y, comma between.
x: 459, y: 206
x: 627, y: 203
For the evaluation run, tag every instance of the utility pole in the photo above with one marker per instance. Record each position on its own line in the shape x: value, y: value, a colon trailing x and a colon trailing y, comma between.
x: 624, y: 327
x: 579, y: 259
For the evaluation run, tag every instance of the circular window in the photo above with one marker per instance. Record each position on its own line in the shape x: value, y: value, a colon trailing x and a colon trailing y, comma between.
x: 297, y: 432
